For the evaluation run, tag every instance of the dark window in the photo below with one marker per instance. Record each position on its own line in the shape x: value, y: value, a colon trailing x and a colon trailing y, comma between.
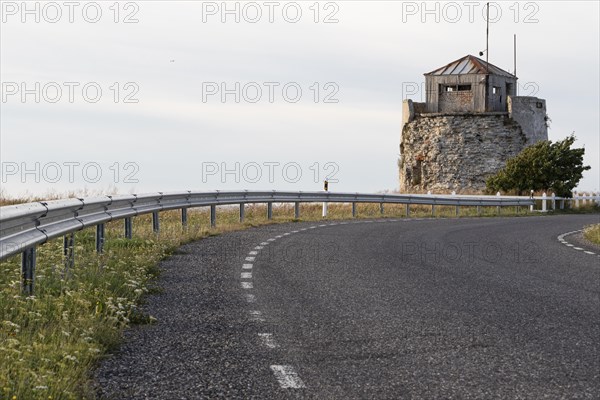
x: 459, y: 88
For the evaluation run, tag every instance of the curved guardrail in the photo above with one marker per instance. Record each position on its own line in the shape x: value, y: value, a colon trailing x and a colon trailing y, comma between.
x: 25, y: 226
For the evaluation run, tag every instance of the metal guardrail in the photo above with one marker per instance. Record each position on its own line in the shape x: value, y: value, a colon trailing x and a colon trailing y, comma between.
x: 25, y: 226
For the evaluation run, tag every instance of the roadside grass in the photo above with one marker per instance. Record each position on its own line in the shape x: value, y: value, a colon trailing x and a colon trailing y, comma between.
x: 51, y: 341
x: 592, y: 233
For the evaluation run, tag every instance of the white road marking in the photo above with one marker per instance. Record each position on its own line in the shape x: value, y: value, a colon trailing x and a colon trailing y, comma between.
x: 267, y: 339
x: 322, y: 225
x: 256, y: 316
x: 279, y: 236
x: 247, y: 266
x: 303, y: 229
x: 253, y: 253
x: 589, y: 252
x: 569, y: 244
x: 247, y: 285
x: 286, y: 234
x: 264, y: 243
x: 246, y: 275
x: 270, y: 240
x: 258, y: 248
x: 250, y: 258
x: 312, y: 227
x: 577, y: 248
x: 287, y: 377
x: 295, y: 231
x: 250, y: 298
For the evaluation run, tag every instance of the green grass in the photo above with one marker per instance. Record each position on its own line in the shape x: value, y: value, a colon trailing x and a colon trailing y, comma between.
x: 592, y: 233
x: 50, y: 342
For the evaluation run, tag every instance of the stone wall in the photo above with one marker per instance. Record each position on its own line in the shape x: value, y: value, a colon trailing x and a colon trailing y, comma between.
x: 458, y: 151
x: 456, y: 101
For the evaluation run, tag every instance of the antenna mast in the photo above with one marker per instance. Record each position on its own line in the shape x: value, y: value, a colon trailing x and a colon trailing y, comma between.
x: 515, y: 63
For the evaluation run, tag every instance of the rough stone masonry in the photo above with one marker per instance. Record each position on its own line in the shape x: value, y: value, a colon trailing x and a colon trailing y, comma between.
x: 470, y: 125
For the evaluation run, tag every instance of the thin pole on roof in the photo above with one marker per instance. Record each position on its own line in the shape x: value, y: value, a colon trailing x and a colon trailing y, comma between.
x: 515, y: 64
x: 487, y: 39
x: 487, y: 55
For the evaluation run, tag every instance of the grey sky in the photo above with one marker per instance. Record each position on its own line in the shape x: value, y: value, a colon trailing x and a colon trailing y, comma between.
x: 375, y: 50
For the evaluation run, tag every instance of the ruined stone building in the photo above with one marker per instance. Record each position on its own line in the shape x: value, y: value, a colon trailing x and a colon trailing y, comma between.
x: 471, y: 123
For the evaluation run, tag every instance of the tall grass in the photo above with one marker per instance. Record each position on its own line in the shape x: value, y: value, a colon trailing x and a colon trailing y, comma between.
x: 49, y: 342
x: 592, y: 233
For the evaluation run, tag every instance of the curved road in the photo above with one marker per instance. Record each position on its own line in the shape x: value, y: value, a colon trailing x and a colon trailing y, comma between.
x: 387, y: 309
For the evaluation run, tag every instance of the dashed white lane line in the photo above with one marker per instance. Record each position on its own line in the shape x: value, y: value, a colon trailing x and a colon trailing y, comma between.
x: 253, y: 253
x: 258, y: 248
x: 267, y: 339
x: 270, y: 240
x: 247, y: 285
x: 257, y: 316
x: 250, y: 258
x: 279, y: 236
x: 250, y: 298
x: 246, y: 266
x: 246, y: 275
x: 561, y: 239
x: 287, y: 377
x: 286, y: 234
x: 264, y: 243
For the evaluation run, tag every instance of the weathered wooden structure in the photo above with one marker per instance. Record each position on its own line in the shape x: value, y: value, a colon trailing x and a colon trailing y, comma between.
x: 469, y: 84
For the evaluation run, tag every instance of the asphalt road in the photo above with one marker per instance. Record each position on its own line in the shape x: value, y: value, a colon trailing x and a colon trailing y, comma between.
x: 444, y: 308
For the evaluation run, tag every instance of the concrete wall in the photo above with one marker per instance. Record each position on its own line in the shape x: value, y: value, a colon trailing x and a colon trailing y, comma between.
x: 445, y: 152
x: 530, y: 113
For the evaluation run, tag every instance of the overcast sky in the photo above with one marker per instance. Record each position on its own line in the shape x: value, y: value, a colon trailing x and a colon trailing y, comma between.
x: 288, y: 94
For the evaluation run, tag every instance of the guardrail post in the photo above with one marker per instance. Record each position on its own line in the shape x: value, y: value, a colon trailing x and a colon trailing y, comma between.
x: 68, y: 251
x: 544, y: 196
x: 457, y: 208
x: 478, y: 210
x: 433, y: 210
x: 242, y: 212
x: 324, y: 214
x: 184, y: 219
x: 407, y: 210
x: 498, y: 207
x: 99, y: 238
x: 297, y: 210
x: 28, y: 270
x: 576, y: 197
x: 270, y: 210
x: 381, y: 210
x: 213, y: 216
x: 155, y: 222
x: 553, y: 204
x: 128, y: 228
x: 353, y: 209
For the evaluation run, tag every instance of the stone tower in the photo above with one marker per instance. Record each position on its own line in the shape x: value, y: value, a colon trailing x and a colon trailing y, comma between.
x: 471, y: 123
